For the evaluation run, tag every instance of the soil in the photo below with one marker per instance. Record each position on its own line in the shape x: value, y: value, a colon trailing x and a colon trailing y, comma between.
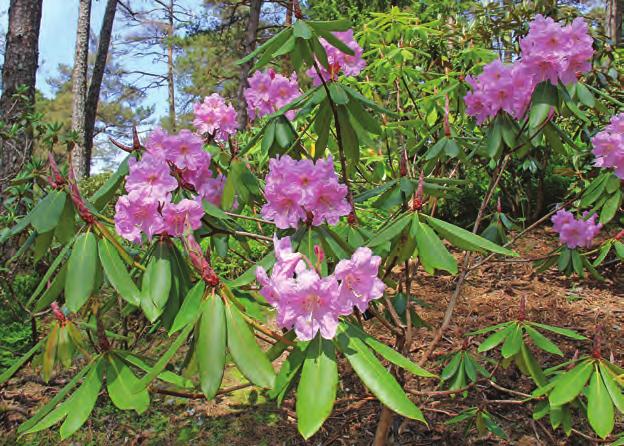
x: 491, y: 295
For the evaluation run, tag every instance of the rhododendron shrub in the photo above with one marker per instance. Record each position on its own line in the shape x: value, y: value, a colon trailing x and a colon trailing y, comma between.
x: 331, y: 204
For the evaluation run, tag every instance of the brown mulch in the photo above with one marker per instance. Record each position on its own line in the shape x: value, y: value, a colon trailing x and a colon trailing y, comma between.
x: 491, y: 295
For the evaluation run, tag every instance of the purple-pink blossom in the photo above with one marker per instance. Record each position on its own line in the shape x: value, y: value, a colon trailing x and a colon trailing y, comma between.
x: 137, y: 213
x: 301, y: 190
x: 177, y: 216
x: 549, y: 52
x: 215, y: 117
x: 609, y: 146
x: 575, y: 232
x: 309, y: 303
x: 269, y: 91
x: 338, y: 61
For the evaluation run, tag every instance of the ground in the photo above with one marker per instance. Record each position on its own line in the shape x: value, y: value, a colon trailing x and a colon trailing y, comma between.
x: 245, y: 417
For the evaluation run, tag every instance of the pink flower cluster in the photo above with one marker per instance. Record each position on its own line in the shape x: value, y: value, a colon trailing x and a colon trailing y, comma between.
x: 310, y: 303
x: 575, y: 232
x: 609, y: 146
x: 147, y: 208
x: 269, y: 91
x: 299, y: 190
x: 549, y: 52
x: 215, y: 117
x: 339, y: 61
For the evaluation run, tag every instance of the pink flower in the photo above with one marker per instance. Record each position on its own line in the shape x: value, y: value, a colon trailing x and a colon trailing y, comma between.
x: 575, y: 232
x: 215, y: 117
x: 156, y: 143
x: 359, y: 282
x: 151, y: 177
x: 339, y: 61
x: 268, y: 92
x: 176, y: 216
x: 211, y: 189
x: 296, y: 189
x: 609, y: 146
x: 185, y: 150
x: 549, y: 52
x: 137, y: 213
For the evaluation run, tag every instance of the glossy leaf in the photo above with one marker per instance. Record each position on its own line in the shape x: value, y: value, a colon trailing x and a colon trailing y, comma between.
x: 599, y: 406
x: 120, y: 383
x: 81, y: 271
x: 117, y: 274
x: 570, y: 384
x: 46, y: 214
x: 210, y: 346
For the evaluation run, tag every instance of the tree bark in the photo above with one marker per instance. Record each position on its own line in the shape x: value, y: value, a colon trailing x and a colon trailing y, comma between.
x: 20, y: 69
x: 170, y: 79
x: 249, y: 43
x: 93, y: 94
x: 81, y: 162
x: 613, y: 22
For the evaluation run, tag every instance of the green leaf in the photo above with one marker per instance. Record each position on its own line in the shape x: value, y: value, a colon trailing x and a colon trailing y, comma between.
x: 82, y: 401
x: 513, y: 342
x: 156, y: 282
x: 333, y: 40
x: 375, y: 376
x: 451, y: 367
x: 190, y: 309
x: 585, y: 96
x: 65, y: 349
x: 316, y: 392
x: 391, y: 231
x: 117, y: 274
x: 337, y: 94
x: 104, y: 194
x: 269, y: 46
x: 431, y: 251
x: 247, y: 355
x: 66, y: 227
x: 322, y: 125
x: 494, y: 139
x: 570, y: 384
x: 42, y: 245
x: 495, y: 339
x: 287, y: 373
x: 166, y: 376
x: 562, y: 331
x: 542, y: 341
x: 332, y: 25
x: 363, y: 117
x: 53, y: 291
x: 349, y: 138
x: 564, y: 259
x: 45, y: 216
x: 210, y: 346
x: 544, y: 98
x: 250, y: 275
x: 81, y: 271
x: 599, y: 406
x: 610, y: 208
x: 532, y: 366
x: 619, y: 248
x: 302, y: 30
x: 464, y: 239
x: 610, y: 381
x: 120, y: 382
x: 388, y: 353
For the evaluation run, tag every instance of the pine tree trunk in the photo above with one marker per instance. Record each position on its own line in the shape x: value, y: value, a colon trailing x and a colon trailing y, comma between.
x: 170, y: 79
x: 81, y: 162
x: 20, y: 69
x: 93, y: 94
x: 249, y: 44
x: 613, y: 22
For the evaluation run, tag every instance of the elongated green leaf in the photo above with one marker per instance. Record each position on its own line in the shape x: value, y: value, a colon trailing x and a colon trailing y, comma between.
x: 542, y: 341
x: 316, y: 392
x: 333, y: 40
x: 83, y: 400
x: 210, y: 346
x: 53, y: 291
x: 391, y: 231
x: 250, y: 275
x: 287, y: 373
x: 157, y: 282
x: 376, y: 378
x: 562, y: 331
x: 81, y: 271
x: 45, y: 216
x: 389, y: 353
x: 453, y: 233
x: 544, y: 98
x: 614, y: 389
x: 496, y: 338
x: 249, y: 358
x: 451, y: 367
x: 513, y: 342
x: 120, y: 381
x: 43, y: 284
x: 348, y: 135
x: 610, y: 208
x: 570, y: 384
x: 190, y: 309
x: 431, y: 251
x: 332, y: 25
x: 166, y: 376
x: 117, y: 274
x: 66, y: 227
x: 532, y: 366
x: 269, y: 46
x: 599, y: 406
